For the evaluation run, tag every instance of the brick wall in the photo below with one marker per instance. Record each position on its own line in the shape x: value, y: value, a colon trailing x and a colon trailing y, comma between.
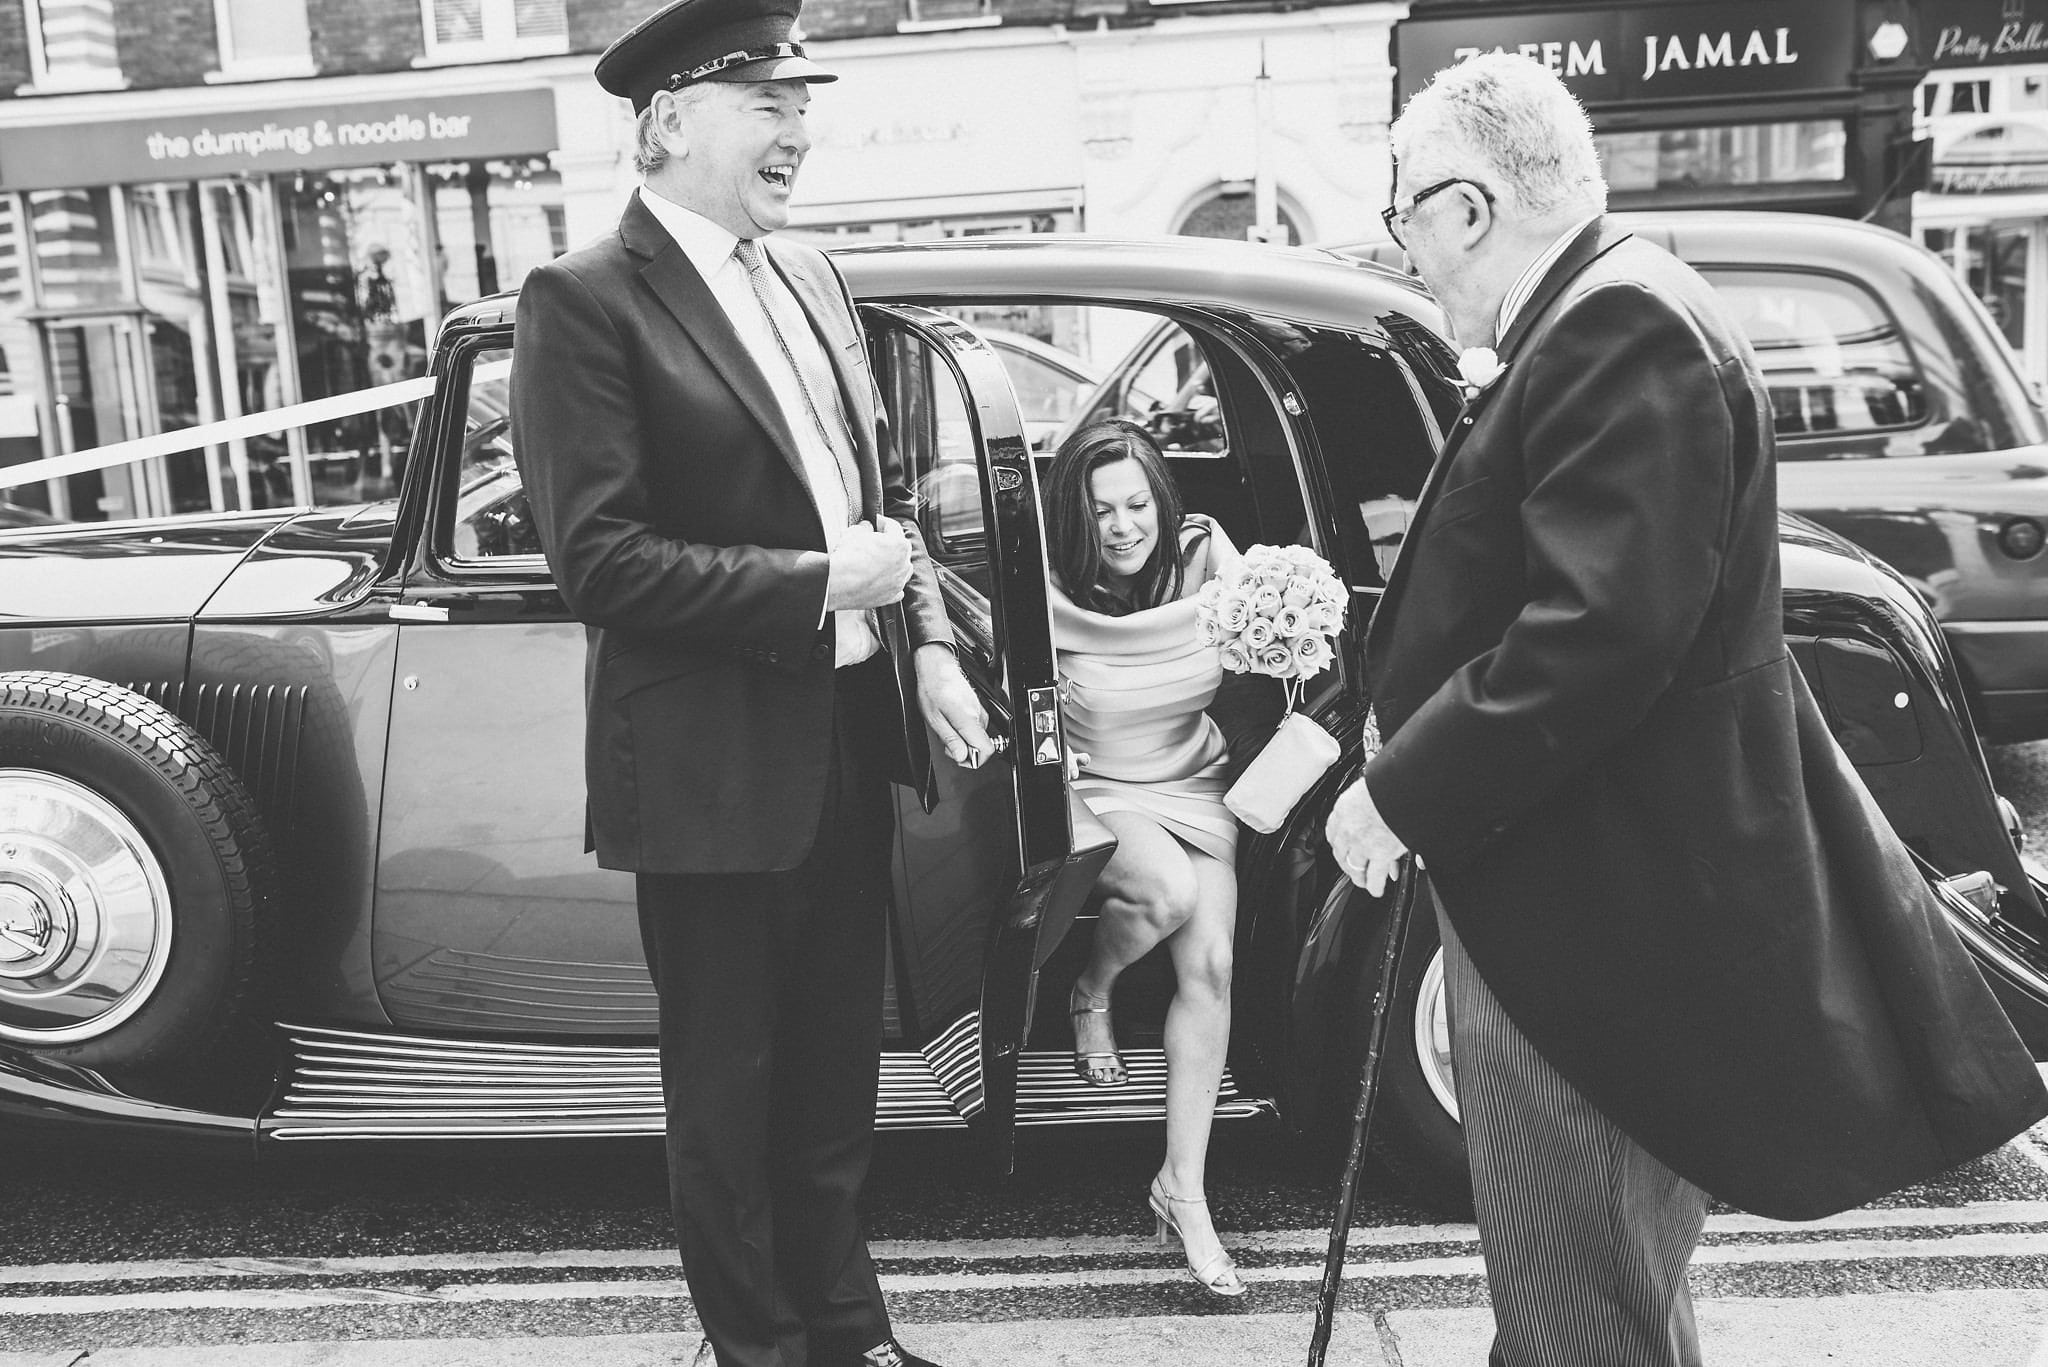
x: 364, y: 35
x: 594, y: 23
x: 14, y: 68
x: 165, y: 42
x: 824, y: 19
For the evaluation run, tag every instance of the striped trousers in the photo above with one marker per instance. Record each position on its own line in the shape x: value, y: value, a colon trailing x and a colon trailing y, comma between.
x: 1585, y: 1236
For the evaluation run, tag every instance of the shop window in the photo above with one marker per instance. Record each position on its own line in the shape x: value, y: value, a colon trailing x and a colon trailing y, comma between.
x: 495, y: 221
x: 1833, y: 359
x: 76, y: 257
x: 926, y: 15
x: 1804, y: 152
x: 469, y: 30
x: 262, y: 38
x: 21, y: 412
x: 1969, y: 97
x: 71, y: 44
x: 364, y: 300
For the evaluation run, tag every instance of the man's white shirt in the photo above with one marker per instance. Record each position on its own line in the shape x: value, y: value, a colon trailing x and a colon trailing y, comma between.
x: 1526, y: 283
x: 710, y: 249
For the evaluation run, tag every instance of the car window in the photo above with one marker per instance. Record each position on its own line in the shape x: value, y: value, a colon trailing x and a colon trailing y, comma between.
x: 492, y: 519
x: 1833, y: 358
x: 1376, y: 446
x: 1164, y: 385
x: 934, y: 439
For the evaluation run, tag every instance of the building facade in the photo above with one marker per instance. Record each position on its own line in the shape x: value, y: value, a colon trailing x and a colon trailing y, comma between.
x: 215, y: 207
x: 1985, y: 208
x: 1716, y: 104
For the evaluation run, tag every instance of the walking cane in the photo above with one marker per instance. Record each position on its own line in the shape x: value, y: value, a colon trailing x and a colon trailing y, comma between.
x: 1361, y: 1117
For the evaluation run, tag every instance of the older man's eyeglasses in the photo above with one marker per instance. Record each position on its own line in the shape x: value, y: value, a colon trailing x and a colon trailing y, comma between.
x: 1394, y: 215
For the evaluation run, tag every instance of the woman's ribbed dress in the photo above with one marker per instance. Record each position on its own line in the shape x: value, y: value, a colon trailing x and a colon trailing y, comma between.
x: 1136, y: 687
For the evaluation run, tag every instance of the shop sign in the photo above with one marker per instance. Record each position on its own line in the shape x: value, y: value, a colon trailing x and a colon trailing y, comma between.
x: 2004, y: 157
x: 1660, y: 52
x: 322, y: 137
x: 1971, y: 33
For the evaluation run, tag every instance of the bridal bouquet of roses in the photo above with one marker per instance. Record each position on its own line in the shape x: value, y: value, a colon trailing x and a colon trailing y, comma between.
x: 1275, y: 612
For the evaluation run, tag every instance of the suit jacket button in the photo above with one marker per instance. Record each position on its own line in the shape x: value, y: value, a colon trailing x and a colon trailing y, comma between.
x: 820, y: 651
x: 773, y: 658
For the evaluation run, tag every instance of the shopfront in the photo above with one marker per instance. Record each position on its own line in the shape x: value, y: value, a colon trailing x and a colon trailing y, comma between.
x: 1985, y: 209
x: 1753, y: 104
x: 161, y: 272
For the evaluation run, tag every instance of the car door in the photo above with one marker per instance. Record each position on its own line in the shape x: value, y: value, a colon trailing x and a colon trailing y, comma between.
x: 1008, y: 854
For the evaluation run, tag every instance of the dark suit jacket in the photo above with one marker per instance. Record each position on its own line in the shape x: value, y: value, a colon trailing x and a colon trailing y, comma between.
x: 1630, y: 807
x: 671, y: 502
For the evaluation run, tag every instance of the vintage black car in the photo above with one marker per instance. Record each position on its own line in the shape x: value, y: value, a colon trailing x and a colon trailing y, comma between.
x: 301, y: 794
x: 1903, y: 423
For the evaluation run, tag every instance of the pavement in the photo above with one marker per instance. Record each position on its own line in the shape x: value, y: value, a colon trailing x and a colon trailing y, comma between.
x: 1910, y: 1329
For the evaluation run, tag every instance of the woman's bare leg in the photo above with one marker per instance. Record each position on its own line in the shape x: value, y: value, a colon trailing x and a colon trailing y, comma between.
x: 1197, y: 1040
x: 1149, y: 891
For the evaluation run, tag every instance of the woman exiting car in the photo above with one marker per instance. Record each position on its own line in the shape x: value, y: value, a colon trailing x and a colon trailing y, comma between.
x: 1127, y: 562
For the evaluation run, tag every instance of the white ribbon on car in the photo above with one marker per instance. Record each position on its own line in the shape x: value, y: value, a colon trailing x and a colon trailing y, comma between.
x: 329, y: 409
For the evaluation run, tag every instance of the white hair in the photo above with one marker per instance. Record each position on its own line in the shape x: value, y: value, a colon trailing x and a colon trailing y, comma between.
x: 1511, y: 122
x: 650, y: 153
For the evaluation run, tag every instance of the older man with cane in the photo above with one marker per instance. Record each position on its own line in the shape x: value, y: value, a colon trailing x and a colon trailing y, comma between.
x: 1685, y: 954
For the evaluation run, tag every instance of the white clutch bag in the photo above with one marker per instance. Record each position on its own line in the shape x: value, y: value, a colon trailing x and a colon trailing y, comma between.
x: 1299, y: 753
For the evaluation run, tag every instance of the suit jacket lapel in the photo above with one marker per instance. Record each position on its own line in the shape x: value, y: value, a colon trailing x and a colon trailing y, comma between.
x: 675, y: 281
x: 826, y: 308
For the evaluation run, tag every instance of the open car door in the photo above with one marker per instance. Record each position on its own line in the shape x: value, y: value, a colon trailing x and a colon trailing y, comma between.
x: 956, y: 425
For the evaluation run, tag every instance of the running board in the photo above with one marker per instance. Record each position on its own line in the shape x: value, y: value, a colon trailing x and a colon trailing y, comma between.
x: 358, y: 1084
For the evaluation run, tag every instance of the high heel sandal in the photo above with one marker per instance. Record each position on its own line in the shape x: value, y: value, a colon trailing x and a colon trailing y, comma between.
x: 1084, y: 1061
x: 1218, y: 1276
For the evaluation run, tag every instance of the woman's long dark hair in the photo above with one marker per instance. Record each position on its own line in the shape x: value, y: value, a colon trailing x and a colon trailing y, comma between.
x: 1072, y: 541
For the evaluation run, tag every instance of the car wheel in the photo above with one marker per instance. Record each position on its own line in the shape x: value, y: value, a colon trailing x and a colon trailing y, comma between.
x: 134, y: 869
x: 1416, y: 1134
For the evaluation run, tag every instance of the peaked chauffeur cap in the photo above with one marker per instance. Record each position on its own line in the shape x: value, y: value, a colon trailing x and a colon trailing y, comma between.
x: 707, y: 40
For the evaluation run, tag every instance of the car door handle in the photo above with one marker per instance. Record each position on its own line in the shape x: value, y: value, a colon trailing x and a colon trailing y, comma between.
x: 418, y: 612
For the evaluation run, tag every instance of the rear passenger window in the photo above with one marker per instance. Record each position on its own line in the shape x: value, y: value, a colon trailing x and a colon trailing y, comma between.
x: 1833, y: 359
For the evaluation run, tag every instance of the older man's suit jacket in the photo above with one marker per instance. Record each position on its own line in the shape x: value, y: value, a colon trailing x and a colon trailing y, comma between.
x: 1627, y: 801
x: 672, y: 503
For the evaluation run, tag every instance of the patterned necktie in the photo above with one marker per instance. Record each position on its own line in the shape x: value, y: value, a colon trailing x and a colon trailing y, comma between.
x: 816, y: 382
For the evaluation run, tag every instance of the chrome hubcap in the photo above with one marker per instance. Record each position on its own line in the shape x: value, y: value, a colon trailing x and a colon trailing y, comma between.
x: 85, y: 916
x: 1433, y: 1035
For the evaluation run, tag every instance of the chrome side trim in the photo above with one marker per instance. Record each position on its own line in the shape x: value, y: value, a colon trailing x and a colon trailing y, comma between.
x: 355, y: 1084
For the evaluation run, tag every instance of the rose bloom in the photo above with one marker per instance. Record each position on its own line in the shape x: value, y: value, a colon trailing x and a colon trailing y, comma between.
x: 1232, y: 612
x: 1236, y: 658
x: 1299, y: 593
x: 1290, y: 621
x: 1206, y: 632
x: 1312, y: 654
x: 1324, y: 617
x: 1209, y: 593
x: 1266, y: 601
x: 1276, y: 659
x: 1258, y: 635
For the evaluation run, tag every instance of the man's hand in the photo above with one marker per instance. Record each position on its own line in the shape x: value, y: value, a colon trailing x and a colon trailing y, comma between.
x: 950, y: 707
x: 870, y: 566
x: 1366, y: 849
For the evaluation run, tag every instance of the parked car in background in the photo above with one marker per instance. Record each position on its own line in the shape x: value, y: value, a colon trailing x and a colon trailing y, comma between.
x: 311, y: 783
x: 1903, y: 423
x: 1050, y: 382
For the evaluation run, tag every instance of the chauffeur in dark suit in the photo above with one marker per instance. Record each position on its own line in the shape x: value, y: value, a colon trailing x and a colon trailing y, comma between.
x: 1685, y: 953
x: 697, y: 429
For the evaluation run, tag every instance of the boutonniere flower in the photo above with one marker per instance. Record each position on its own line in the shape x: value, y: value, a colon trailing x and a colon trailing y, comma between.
x: 1479, y: 367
